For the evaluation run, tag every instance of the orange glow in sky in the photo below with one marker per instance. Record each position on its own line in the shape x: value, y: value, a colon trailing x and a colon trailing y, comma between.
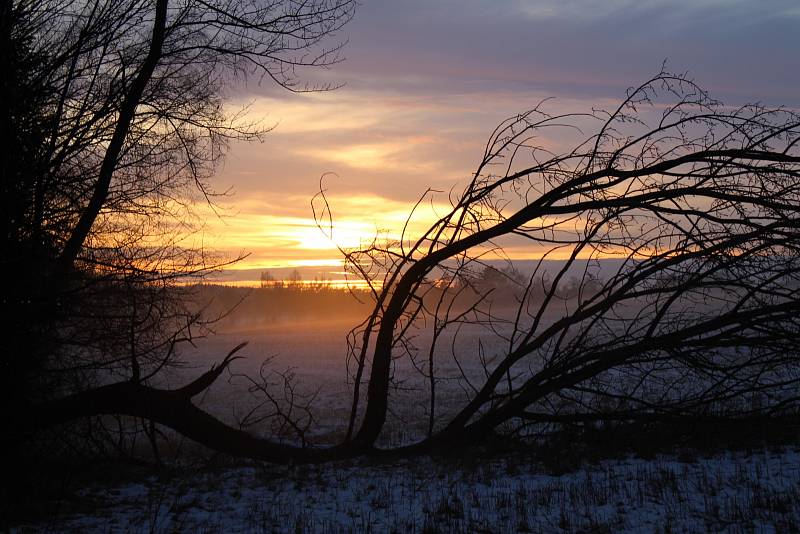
x: 421, y: 94
x: 378, y: 152
x: 275, y: 240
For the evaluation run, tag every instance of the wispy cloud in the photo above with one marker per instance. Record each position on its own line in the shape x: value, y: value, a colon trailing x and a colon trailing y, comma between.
x: 427, y: 81
x: 583, y: 10
x: 274, y: 232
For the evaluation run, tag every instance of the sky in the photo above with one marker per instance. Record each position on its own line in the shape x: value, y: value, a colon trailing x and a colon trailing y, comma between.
x: 424, y: 82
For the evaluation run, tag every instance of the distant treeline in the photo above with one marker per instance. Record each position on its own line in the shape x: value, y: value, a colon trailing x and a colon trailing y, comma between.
x: 298, y: 300
x: 243, y: 308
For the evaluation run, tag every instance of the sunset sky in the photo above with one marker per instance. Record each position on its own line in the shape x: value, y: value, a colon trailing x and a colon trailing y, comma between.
x: 426, y: 81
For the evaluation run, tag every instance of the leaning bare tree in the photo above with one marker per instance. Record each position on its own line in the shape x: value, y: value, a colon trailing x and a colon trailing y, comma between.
x: 673, y: 223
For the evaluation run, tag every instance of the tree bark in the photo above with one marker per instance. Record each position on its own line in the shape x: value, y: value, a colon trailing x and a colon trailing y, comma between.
x: 111, y: 158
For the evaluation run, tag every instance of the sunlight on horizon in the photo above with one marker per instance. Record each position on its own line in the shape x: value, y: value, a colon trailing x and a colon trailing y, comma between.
x: 280, y: 241
x: 377, y: 151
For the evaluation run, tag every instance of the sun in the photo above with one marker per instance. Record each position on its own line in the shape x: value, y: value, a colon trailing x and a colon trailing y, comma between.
x: 346, y: 234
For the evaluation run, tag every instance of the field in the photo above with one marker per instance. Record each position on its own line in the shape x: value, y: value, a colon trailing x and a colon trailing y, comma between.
x: 750, y: 491
x: 753, y: 487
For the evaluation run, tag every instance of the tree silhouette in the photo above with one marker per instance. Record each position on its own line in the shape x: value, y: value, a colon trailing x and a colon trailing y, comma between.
x: 696, y: 203
x: 693, y: 207
x: 114, y: 117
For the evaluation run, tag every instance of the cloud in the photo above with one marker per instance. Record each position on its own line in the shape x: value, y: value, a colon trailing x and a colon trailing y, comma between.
x: 744, y: 50
x: 313, y: 112
x: 427, y: 81
x: 669, y: 15
x: 274, y: 232
x: 360, y: 156
x: 585, y: 10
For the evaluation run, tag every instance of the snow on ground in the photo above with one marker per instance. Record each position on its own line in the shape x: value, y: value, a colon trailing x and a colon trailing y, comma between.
x: 731, y: 492
x: 728, y: 492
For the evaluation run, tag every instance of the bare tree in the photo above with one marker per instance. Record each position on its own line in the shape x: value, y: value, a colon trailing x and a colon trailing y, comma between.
x: 116, y: 112
x: 694, y: 204
x: 675, y: 223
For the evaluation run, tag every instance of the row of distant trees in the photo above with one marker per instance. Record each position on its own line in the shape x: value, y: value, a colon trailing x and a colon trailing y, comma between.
x: 247, y: 309
x: 295, y: 281
x: 504, y: 282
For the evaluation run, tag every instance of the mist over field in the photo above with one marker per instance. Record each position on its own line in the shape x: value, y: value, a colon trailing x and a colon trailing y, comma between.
x: 305, y: 331
x: 306, y: 343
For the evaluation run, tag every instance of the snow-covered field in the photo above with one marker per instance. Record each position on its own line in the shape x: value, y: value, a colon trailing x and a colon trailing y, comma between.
x: 746, y: 491
x: 757, y: 491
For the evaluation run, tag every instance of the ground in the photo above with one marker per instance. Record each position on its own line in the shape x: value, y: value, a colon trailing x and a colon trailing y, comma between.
x: 745, y: 491
x: 609, y: 483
